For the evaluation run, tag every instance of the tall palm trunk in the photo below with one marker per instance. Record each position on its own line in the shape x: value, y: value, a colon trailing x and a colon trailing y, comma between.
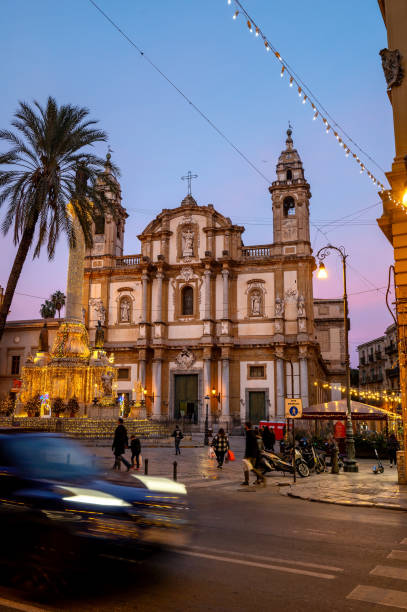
x: 21, y: 256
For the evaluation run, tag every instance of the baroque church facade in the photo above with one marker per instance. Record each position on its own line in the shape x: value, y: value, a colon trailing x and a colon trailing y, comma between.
x: 198, y: 320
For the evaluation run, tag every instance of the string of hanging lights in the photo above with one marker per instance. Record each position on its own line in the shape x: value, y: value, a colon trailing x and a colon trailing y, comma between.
x: 316, y: 108
x: 384, y: 395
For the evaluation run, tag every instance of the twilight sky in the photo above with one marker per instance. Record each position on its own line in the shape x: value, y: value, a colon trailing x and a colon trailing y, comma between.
x: 70, y: 51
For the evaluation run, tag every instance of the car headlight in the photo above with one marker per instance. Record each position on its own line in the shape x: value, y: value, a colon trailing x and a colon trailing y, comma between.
x: 93, y: 497
x: 161, y: 485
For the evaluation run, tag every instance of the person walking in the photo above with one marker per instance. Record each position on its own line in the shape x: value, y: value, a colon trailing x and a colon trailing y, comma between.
x: 120, y: 443
x: 220, y: 444
x: 135, y: 446
x: 251, y: 457
x: 393, y: 446
x: 269, y: 438
x: 177, y: 435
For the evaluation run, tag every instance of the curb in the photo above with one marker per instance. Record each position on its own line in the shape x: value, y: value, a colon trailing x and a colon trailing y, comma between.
x: 361, y: 504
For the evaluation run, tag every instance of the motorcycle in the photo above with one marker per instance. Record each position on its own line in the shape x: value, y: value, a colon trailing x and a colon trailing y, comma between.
x: 271, y: 462
x: 313, y: 459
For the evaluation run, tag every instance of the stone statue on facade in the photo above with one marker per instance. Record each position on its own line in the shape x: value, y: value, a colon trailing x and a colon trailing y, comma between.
x: 255, y: 304
x: 301, y: 306
x: 107, y: 383
x: 99, y: 309
x: 279, y: 307
x: 43, y: 344
x: 188, y: 240
x: 99, y: 336
x: 125, y: 311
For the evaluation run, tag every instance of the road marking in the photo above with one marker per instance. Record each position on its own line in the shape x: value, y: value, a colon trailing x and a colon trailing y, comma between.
x: 383, y: 597
x: 217, y: 551
x: 400, y: 555
x: 16, y: 605
x: 389, y: 572
x: 314, y: 531
x: 277, y: 568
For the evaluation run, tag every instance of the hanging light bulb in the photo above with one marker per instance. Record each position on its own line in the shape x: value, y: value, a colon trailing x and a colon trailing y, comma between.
x: 347, y: 152
x: 267, y: 45
x: 235, y: 15
x: 315, y: 115
x: 304, y: 99
x: 257, y: 31
x: 229, y: 1
x: 282, y: 71
x: 291, y: 81
x: 278, y: 56
x: 362, y: 168
x: 299, y: 91
x: 249, y: 25
x: 325, y: 121
x: 328, y: 127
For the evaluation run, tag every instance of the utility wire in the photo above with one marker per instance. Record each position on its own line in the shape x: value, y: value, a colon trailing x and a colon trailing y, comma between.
x: 181, y: 93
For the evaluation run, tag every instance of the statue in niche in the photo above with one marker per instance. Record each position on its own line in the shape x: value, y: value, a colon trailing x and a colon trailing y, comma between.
x: 279, y: 307
x: 107, y: 382
x: 188, y: 243
x: 255, y: 303
x: 43, y: 342
x: 99, y: 336
x: 301, y: 306
x: 125, y: 310
x: 99, y: 309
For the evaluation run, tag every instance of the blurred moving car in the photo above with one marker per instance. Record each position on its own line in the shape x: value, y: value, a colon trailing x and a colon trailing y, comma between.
x: 57, y: 511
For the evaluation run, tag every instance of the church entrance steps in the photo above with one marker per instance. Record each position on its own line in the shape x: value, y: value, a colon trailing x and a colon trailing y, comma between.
x: 85, y: 428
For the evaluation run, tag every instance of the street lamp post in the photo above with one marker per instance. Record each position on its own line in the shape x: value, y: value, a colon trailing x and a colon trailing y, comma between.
x: 350, y: 464
x: 206, y: 438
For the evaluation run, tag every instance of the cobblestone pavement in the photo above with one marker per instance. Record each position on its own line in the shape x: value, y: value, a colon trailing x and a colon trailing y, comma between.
x: 361, y: 489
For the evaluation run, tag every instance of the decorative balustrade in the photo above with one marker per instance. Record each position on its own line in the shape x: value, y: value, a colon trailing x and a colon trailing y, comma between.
x: 256, y: 252
x: 128, y: 260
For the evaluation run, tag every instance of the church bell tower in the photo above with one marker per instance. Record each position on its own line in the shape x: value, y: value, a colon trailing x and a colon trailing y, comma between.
x: 290, y: 195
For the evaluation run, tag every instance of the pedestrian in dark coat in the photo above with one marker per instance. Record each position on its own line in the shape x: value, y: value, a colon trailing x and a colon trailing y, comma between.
x: 392, y: 447
x: 251, y: 456
x: 135, y: 446
x: 268, y: 438
x: 177, y: 435
x: 220, y: 444
x: 120, y: 443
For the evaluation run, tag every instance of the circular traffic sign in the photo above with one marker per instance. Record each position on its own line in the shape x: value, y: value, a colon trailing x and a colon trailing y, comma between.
x: 293, y: 411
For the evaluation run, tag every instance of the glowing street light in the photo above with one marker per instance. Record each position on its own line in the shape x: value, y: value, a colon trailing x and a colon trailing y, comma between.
x: 322, y: 273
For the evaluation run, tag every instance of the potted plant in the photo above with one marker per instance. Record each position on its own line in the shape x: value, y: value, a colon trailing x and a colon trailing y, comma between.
x: 58, y: 407
x: 73, y: 406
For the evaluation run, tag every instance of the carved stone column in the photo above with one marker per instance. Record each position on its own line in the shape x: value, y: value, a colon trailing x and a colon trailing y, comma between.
x: 142, y: 367
x: 157, y: 367
x: 304, y: 376
x: 207, y: 276
x: 158, y: 317
x: 207, y: 389
x: 144, y: 297
x: 225, y: 275
x: 280, y: 382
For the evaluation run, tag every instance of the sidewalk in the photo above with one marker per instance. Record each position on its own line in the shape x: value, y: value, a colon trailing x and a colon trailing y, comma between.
x: 361, y: 489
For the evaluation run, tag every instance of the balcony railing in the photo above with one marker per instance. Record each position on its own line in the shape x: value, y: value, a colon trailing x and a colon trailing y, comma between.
x: 393, y: 372
x: 371, y: 357
x: 390, y: 349
x: 128, y: 260
x: 256, y: 252
x: 362, y: 360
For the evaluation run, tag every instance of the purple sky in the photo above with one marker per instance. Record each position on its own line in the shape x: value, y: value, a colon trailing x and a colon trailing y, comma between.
x: 69, y: 51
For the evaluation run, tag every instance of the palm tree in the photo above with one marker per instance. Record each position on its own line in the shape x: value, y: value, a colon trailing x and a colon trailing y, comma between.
x: 58, y: 299
x: 45, y: 169
x: 47, y: 310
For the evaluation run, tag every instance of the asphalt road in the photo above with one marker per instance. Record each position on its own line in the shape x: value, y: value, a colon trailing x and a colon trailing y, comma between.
x: 257, y: 550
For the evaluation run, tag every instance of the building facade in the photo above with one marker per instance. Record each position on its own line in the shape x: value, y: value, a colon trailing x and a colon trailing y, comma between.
x: 201, y: 323
x: 378, y: 363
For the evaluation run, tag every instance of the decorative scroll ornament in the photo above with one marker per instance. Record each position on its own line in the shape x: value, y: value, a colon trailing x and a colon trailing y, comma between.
x: 291, y: 296
x: 186, y: 273
x: 301, y: 307
x: 391, y: 63
x: 185, y: 359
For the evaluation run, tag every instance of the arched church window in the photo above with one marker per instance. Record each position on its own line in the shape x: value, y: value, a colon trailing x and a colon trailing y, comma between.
x: 100, y: 225
x: 125, y: 310
x: 187, y: 298
x: 289, y: 175
x: 289, y: 206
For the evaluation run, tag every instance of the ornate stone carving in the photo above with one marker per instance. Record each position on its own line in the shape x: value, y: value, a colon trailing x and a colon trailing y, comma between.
x: 290, y: 296
x: 185, y: 359
x: 256, y: 302
x: 125, y: 307
x: 255, y: 297
x: 391, y: 62
x: 289, y: 230
x: 100, y: 311
x: 186, y: 273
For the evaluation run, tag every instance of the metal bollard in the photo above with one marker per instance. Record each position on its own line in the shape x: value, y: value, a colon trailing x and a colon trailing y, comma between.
x: 68, y: 458
x: 146, y: 467
x: 174, y: 471
x: 335, y: 462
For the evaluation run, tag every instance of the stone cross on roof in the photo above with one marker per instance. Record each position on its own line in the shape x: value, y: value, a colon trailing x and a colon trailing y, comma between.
x: 189, y: 178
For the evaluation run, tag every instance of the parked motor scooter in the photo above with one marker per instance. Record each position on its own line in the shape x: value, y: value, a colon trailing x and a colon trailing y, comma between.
x: 270, y: 462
